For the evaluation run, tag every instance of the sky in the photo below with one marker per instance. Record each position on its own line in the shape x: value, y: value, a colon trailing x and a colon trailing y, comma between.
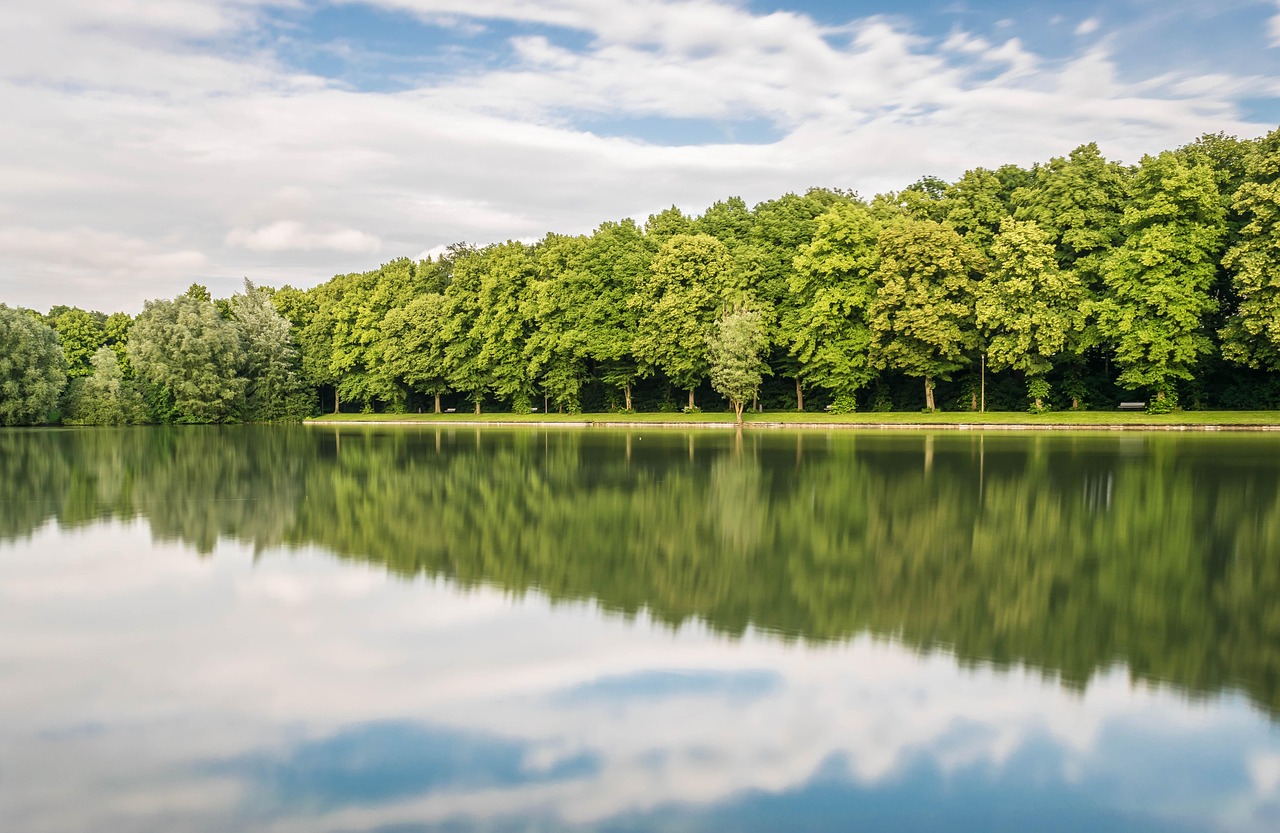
x: 147, y: 144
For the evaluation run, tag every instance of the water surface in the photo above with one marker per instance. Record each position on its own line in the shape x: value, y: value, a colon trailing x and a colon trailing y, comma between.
x: 279, y: 629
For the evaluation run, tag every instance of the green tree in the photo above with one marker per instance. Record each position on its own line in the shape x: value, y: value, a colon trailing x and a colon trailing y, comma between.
x: 613, y: 262
x: 352, y: 312
x: 559, y: 299
x: 33, y: 370
x: 81, y: 334
x: 415, y: 350
x: 188, y: 351
x: 1158, y: 280
x: 1028, y: 308
x: 275, y: 389
x: 464, y: 369
x: 505, y: 322
x: 105, y: 397
x: 116, y: 329
x: 831, y: 287
x: 735, y: 349
x: 781, y: 228
x: 921, y: 318
x: 1078, y: 201
x: 690, y: 279
x: 1251, y: 336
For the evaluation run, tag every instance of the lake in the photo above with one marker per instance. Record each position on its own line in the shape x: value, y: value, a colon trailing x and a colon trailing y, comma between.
x: 421, y: 629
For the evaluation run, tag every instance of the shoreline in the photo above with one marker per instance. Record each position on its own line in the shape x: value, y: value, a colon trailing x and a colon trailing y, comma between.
x: 1242, y: 427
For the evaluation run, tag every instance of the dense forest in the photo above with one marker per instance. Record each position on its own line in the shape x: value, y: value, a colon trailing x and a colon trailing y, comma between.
x: 1070, y: 284
x: 1071, y: 554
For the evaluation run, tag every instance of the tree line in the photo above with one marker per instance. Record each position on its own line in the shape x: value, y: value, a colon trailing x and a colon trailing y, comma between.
x: 1069, y: 284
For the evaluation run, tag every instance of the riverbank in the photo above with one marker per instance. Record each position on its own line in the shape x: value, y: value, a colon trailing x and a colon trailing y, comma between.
x: 963, y: 420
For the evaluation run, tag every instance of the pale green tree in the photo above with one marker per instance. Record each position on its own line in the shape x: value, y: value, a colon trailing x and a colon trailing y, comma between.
x: 33, y: 370
x: 105, y: 397
x: 187, y: 350
x: 736, y: 349
x: 921, y: 318
x: 274, y: 390
x: 1028, y: 308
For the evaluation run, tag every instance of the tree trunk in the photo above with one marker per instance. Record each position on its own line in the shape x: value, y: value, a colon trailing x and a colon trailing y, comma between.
x: 477, y: 407
x: 737, y: 412
x: 627, y: 388
x: 691, y: 399
x: 928, y: 394
x: 437, y: 403
x: 799, y: 396
x: 335, y: 400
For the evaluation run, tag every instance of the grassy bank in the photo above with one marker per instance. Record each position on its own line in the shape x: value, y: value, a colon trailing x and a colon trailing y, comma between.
x: 1226, y: 419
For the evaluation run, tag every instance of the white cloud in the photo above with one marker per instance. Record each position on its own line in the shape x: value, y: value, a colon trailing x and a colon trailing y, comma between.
x: 291, y: 235
x: 1088, y: 26
x: 1274, y: 27
x: 176, y: 123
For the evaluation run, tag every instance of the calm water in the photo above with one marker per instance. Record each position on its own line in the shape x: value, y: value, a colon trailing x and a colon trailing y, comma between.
x: 303, y: 629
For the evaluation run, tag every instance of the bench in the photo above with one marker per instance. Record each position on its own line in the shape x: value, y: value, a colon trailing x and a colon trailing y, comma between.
x: 450, y: 410
x: 1133, y: 406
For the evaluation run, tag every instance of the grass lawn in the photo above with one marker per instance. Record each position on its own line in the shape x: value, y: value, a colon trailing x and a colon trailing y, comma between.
x: 1064, y: 418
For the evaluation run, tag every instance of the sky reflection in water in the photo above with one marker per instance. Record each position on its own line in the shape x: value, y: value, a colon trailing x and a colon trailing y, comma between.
x: 276, y: 687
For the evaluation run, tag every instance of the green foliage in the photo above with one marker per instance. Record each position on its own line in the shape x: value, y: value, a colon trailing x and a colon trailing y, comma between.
x: 275, y: 390
x: 81, y: 334
x: 33, y: 370
x: 690, y: 279
x: 1252, y: 336
x: 1158, y: 279
x: 191, y: 357
x: 735, y: 350
x: 921, y: 316
x: 831, y: 290
x: 105, y: 397
x: 1028, y: 309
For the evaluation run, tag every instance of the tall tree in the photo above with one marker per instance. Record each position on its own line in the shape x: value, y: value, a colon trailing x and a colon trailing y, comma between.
x: 688, y: 282
x: 505, y: 321
x: 185, y: 348
x: 1252, y: 336
x: 1028, y: 308
x: 1158, y: 280
x: 781, y: 228
x: 33, y: 370
x: 274, y: 389
x: 921, y: 318
x: 615, y: 258
x: 415, y: 348
x: 831, y: 290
